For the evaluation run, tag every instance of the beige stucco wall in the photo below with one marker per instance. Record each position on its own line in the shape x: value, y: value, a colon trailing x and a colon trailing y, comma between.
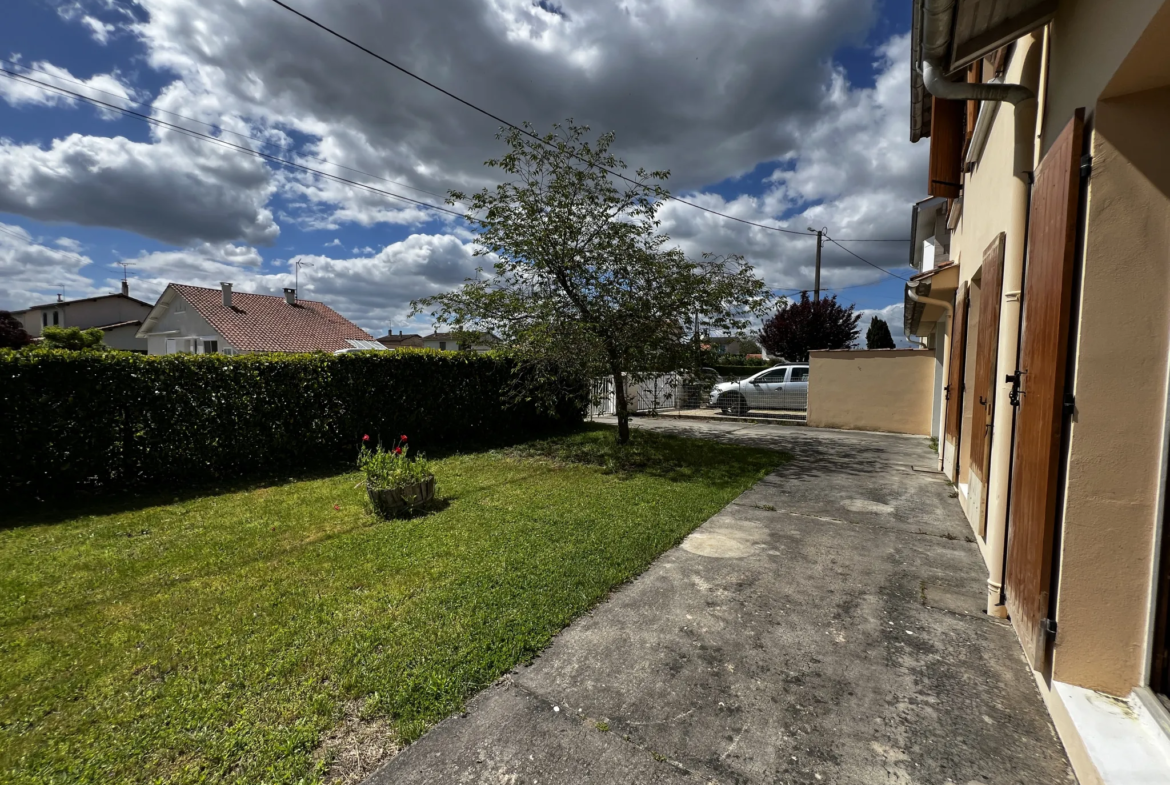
x: 995, y: 199
x: 1090, y: 40
x: 1114, y: 463
x: 872, y: 390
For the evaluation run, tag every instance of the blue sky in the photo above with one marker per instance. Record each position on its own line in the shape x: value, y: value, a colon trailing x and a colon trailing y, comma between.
x: 779, y: 113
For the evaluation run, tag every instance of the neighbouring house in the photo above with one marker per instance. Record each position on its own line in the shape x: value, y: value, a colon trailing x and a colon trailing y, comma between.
x: 446, y: 342
x: 400, y: 341
x: 731, y: 345
x: 118, y: 316
x: 198, y: 320
x: 1043, y: 294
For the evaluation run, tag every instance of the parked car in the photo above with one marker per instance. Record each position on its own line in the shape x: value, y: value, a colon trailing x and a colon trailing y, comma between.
x: 779, y: 387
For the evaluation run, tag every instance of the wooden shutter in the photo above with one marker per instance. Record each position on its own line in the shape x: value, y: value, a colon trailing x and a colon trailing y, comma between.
x: 974, y: 76
x: 958, y: 359
x: 990, y: 296
x: 946, y: 147
x: 1043, y: 361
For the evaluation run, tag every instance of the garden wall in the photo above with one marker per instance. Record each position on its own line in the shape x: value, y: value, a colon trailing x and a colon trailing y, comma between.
x: 102, y: 420
x: 872, y: 389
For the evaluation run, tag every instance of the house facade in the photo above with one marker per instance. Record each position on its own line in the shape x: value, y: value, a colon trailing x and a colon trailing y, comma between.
x: 118, y: 316
x: 447, y: 342
x: 1043, y: 288
x: 198, y: 320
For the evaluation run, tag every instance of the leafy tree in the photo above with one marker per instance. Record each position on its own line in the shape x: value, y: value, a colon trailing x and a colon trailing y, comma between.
x: 800, y: 326
x: 73, y: 338
x: 878, y: 335
x: 582, y: 278
x: 12, y: 332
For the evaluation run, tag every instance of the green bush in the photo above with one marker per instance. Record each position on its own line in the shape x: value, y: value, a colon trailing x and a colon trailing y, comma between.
x: 739, y: 371
x: 76, y: 420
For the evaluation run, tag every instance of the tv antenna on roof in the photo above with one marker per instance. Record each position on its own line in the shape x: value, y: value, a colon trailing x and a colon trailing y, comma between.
x: 297, y: 281
x: 125, y: 265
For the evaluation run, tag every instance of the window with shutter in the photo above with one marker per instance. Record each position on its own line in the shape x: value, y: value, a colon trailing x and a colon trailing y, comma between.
x: 946, y: 147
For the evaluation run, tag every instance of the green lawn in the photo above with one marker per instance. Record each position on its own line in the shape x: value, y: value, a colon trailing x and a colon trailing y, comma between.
x: 218, y: 639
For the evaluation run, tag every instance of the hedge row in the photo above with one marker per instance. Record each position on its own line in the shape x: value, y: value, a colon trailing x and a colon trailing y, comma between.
x: 738, y: 371
x: 108, y: 420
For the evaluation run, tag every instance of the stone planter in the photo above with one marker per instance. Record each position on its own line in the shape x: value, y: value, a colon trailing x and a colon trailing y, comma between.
x: 390, y: 502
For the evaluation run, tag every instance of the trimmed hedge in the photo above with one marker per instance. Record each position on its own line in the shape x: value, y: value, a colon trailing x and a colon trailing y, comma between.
x: 74, y: 420
x: 739, y: 371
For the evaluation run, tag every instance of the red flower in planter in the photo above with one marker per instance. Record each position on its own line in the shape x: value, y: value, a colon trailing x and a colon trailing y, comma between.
x: 398, y: 451
x: 404, y: 437
x: 366, y: 438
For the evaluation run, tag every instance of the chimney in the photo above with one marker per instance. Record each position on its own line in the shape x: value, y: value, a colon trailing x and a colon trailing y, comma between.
x: 227, y: 293
x: 125, y: 288
x: 400, y: 332
x: 290, y: 296
x: 60, y: 299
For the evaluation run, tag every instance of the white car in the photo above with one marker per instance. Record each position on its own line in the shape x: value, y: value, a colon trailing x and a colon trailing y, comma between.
x: 779, y: 387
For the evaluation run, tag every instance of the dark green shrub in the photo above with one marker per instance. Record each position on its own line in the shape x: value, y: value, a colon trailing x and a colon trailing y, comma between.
x: 75, y: 420
x: 739, y: 371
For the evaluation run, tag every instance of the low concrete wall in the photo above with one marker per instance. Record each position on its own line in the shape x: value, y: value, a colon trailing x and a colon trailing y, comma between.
x: 872, y: 390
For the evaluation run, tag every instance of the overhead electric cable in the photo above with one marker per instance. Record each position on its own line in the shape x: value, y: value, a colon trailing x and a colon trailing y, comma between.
x: 223, y: 142
x: 511, y: 125
x: 216, y: 127
x: 863, y: 259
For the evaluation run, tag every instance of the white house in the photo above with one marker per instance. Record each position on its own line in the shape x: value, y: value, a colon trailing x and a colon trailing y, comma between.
x: 118, y: 316
x: 446, y: 342
x: 198, y: 320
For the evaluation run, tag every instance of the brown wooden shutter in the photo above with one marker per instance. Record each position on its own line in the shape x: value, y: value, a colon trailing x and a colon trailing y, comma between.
x: 974, y: 76
x: 946, y: 147
x: 990, y: 296
x: 1043, y: 362
x: 958, y: 360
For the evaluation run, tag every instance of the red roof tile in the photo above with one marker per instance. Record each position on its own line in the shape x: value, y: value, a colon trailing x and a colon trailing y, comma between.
x: 264, y: 323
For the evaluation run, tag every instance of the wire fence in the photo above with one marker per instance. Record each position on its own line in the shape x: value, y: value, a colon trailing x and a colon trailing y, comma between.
x: 783, y: 391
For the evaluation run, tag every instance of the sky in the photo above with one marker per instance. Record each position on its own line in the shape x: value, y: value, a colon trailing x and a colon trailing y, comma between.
x: 790, y: 113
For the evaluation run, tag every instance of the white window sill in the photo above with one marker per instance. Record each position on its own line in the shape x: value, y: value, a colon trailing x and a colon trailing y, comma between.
x: 1123, y: 738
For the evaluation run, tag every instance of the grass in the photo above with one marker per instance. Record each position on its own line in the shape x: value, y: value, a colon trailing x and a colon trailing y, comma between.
x: 222, y: 638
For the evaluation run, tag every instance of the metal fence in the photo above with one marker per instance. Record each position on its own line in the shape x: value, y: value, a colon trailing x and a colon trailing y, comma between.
x: 676, y: 392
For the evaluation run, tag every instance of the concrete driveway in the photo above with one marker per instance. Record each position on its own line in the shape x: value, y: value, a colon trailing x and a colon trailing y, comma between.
x: 826, y: 627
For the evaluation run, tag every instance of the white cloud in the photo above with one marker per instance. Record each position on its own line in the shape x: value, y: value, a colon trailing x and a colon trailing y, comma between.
x: 33, y: 272
x: 108, y: 88
x: 173, y: 190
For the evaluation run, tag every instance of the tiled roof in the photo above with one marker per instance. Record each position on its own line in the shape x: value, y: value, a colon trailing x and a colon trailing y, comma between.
x: 63, y: 303
x: 264, y: 323
x: 402, y: 341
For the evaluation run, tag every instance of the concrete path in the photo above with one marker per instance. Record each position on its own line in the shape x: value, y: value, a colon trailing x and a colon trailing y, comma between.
x: 826, y: 627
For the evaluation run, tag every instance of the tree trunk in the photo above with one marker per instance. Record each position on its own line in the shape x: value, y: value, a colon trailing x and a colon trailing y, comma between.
x: 621, y: 407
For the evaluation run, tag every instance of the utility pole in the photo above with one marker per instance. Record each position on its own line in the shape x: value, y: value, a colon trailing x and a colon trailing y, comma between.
x: 817, y: 277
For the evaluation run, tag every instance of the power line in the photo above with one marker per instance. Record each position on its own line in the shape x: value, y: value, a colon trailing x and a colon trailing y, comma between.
x: 207, y: 137
x: 215, y: 127
x: 513, y: 126
x: 863, y: 259
x: 872, y: 240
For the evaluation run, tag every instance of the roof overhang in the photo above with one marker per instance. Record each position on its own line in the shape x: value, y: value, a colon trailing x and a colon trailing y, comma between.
x: 937, y: 284
x: 923, y: 226
x: 977, y: 28
x: 157, y: 312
